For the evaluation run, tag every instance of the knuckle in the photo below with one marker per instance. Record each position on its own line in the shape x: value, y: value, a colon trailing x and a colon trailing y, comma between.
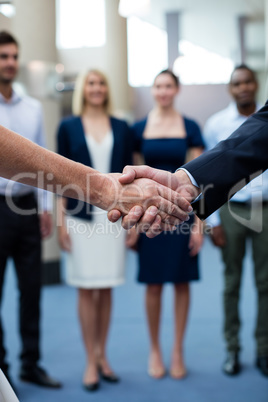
x: 174, y: 209
x: 164, y: 217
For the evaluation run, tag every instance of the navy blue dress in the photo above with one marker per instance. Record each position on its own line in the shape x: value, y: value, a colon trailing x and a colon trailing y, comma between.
x: 166, y: 258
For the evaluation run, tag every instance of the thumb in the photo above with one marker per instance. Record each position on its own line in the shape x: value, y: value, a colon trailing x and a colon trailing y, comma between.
x: 114, y: 215
x: 128, y: 175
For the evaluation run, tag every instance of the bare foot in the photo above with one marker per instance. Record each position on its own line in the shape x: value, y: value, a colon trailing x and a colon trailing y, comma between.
x: 91, y: 374
x: 177, y: 369
x: 156, y: 367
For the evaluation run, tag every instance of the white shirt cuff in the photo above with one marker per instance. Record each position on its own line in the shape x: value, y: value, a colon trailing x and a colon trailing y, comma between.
x: 193, y: 181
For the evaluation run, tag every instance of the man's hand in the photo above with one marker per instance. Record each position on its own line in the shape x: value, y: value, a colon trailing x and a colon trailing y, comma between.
x: 149, y: 221
x: 46, y: 224
x: 144, y: 195
x: 217, y: 236
x: 64, y: 238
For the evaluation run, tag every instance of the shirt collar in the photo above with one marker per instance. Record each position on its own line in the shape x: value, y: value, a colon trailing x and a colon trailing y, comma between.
x: 15, y: 98
x: 235, y: 113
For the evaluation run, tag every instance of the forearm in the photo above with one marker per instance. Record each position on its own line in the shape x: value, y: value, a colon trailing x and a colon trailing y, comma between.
x: 185, y: 186
x: 226, y: 168
x: 22, y: 160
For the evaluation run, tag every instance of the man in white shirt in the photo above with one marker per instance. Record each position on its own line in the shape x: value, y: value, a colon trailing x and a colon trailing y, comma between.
x: 21, y: 231
x: 244, y: 217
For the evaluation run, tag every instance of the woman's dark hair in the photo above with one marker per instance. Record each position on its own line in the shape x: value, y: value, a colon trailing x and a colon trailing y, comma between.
x: 6, y: 38
x: 171, y: 74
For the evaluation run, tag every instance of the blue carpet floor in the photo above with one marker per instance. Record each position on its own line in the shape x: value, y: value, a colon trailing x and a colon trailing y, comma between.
x: 64, y: 358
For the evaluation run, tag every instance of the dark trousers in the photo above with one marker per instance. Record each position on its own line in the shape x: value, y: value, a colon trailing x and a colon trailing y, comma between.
x: 20, y: 239
x: 233, y: 253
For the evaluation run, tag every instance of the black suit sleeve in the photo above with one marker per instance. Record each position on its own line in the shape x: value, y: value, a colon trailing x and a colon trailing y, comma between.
x: 225, y: 169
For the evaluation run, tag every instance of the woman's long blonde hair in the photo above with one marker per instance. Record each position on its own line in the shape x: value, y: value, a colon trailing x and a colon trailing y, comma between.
x: 78, y: 101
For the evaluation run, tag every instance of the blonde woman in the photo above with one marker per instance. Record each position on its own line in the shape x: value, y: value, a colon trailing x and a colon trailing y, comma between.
x: 95, y: 248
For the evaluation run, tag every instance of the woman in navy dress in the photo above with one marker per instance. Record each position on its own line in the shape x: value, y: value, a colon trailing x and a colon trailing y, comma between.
x: 164, y: 139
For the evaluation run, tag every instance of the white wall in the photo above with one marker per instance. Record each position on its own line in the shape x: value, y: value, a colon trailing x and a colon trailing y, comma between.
x: 195, y: 101
x: 111, y: 58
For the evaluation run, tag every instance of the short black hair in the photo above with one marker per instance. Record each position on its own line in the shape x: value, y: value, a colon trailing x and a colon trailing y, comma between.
x: 172, y: 75
x: 244, y: 67
x: 6, y: 38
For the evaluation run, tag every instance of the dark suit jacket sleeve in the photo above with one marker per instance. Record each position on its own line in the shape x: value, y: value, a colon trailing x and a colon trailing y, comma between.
x: 62, y: 143
x: 225, y: 169
x: 129, y: 146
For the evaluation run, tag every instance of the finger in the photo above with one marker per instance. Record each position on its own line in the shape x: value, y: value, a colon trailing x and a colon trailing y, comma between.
x: 176, y: 198
x: 171, y: 213
x: 155, y: 228
x: 135, y: 172
x: 132, y: 217
x: 114, y: 215
x: 170, y: 220
x: 128, y: 175
x: 147, y: 219
x: 158, y: 227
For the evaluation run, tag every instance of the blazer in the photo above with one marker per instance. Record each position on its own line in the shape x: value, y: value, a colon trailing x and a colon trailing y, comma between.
x: 225, y: 169
x: 72, y: 144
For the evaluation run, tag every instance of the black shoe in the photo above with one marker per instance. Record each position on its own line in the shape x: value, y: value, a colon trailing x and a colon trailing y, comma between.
x: 262, y: 364
x: 108, y: 377
x: 91, y: 387
x: 231, y: 366
x: 37, y: 375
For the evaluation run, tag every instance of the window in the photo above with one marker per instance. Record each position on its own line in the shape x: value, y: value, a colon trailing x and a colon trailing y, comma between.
x: 197, y: 65
x: 147, y: 52
x: 80, y: 23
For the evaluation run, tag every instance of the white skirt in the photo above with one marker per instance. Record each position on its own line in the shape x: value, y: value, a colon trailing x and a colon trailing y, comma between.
x: 98, y: 255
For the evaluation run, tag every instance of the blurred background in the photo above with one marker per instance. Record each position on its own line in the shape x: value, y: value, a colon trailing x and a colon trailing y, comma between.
x: 131, y: 41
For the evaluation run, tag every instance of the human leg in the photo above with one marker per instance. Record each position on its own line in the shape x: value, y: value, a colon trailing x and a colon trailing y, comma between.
x: 260, y: 257
x: 232, y: 254
x: 8, y: 228
x: 153, y: 310
x: 181, y: 308
x: 27, y: 260
x: 104, y: 315
x: 87, y: 306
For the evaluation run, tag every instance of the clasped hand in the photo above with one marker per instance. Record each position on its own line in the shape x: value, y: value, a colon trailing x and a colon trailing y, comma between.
x: 156, y: 200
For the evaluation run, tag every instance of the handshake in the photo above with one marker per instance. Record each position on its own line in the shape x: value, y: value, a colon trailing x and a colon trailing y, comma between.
x: 153, y: 200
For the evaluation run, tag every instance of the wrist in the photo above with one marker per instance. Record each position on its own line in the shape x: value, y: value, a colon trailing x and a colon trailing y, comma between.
x: 97, y: 184
x: 185, y: 186
x: 104, y: 190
